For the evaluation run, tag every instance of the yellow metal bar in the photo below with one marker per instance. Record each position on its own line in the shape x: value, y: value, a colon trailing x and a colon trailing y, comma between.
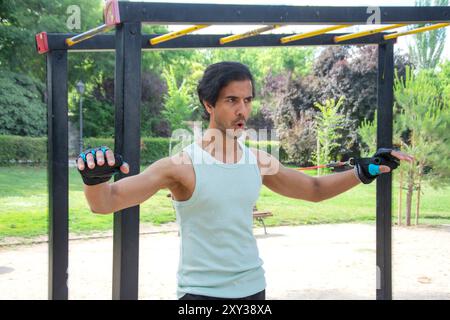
x: 366, y: 33
x: 88, y: 34
x: 248, y: 34
x: 176, y: 34
x: 418, y: 30
x: 312, y: 33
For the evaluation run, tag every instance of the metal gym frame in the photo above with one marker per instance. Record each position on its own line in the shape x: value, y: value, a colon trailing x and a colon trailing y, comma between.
x: 128, y: 43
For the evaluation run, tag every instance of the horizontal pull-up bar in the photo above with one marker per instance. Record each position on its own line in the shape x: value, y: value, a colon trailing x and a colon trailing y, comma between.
x: 248, y: 34
x: 312, y: 33
x: 176, y: 34
x: 106, y: 42
x: 418, y: 30
x: 237, y: 14
x: 204, y: 15
x: 366, y: 33
x: 111, y: 18
x: 88, y: 34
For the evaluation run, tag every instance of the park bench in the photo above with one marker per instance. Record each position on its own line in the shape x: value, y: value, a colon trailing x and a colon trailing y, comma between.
x: 260, y: 215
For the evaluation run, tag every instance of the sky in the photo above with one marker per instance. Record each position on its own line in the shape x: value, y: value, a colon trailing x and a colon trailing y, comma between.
x: 402, y: 42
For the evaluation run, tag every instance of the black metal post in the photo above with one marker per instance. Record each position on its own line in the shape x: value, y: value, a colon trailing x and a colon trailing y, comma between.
x: 58, y: 175
x: 81, y: 123
x: 127, y: 142
x: 384, y: 182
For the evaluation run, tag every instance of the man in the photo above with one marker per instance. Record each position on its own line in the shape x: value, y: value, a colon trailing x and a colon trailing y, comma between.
x: 215, y: 183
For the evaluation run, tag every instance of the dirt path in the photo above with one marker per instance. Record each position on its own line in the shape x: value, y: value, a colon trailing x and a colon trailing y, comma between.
x: 304, y: 262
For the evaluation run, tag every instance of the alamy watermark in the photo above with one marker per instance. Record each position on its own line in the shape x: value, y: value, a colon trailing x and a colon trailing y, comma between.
x: 73, y: 21
x: 375, y: 15
x: 265, y: 144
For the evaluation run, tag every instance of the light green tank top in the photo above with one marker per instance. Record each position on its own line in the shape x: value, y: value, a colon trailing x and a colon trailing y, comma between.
x: 218, y: 252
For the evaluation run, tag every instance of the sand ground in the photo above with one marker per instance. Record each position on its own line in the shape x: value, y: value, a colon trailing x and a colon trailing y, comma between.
x: 303, y: 262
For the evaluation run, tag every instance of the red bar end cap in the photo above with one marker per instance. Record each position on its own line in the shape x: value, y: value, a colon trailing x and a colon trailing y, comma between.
x: 42, y: 43
x: 111, y: 14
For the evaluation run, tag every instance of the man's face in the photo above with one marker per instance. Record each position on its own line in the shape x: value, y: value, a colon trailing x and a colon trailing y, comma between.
x: 233, y: 108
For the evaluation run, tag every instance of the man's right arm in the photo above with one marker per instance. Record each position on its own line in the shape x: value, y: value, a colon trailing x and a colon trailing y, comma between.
x: 131, y: 191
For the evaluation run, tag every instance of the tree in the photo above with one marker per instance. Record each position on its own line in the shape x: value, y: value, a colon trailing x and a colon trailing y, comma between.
x: 98, y: 106
x: 153, y: 122
x: 424, y: 122
x: 177, y: 102
x: 443, y: 80
x: 328, y: 123
x: 298, y: 135
x: 427, y: 49
x: 368, y: 133
x: 339, y: 71
x: 263, y: 61
x: 272, y: 92
x: 368, y: 143
x: 20, y: 20
x: 22, y: 111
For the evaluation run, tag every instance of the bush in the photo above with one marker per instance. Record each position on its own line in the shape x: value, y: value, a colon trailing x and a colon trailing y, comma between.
x: 16, y: 149
x: 152, y: 149
x: 22, y: 110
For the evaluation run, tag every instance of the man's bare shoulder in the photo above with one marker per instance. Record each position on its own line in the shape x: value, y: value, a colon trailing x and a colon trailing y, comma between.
x: 174, y: 169
x: 180, y: 159
x: 182, y: 170
x: 171, y: 165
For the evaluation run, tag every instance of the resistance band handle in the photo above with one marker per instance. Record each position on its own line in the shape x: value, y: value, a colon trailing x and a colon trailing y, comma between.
x: 99, y: 174
x: 368, y: 169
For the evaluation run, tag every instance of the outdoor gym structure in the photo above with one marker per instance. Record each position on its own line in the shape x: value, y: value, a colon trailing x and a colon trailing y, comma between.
x: 128, y: 42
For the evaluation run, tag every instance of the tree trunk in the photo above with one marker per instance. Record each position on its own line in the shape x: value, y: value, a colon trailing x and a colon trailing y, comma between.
x: 418, y: 194
x: 409, y: 195
x: 400, y: 193
x: 318, y: 155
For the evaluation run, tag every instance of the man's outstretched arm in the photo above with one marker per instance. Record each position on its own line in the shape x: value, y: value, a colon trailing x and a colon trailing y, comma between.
x: 298, y: 185
x: 295, y: 184
x: 104, y: 197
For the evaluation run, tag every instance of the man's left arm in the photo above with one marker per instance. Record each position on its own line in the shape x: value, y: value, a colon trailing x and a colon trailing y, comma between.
x: 296, y: 184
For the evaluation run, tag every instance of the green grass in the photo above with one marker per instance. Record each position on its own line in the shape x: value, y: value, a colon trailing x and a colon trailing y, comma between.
x: 24, y: 201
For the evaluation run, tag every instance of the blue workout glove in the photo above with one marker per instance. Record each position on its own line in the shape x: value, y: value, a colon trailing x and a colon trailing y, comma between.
x: 98, y: 174
x: 368, y: 169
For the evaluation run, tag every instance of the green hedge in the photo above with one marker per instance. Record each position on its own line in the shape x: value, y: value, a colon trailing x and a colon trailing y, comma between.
x: 152, y: 149
x: 16, y: 149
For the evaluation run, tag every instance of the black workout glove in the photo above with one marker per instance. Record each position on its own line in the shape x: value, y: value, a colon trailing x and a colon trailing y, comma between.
x: 368, y: 170
x: 98, y: 174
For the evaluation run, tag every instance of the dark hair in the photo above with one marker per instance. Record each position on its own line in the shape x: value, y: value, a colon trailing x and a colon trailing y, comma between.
x: 219, y: 75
